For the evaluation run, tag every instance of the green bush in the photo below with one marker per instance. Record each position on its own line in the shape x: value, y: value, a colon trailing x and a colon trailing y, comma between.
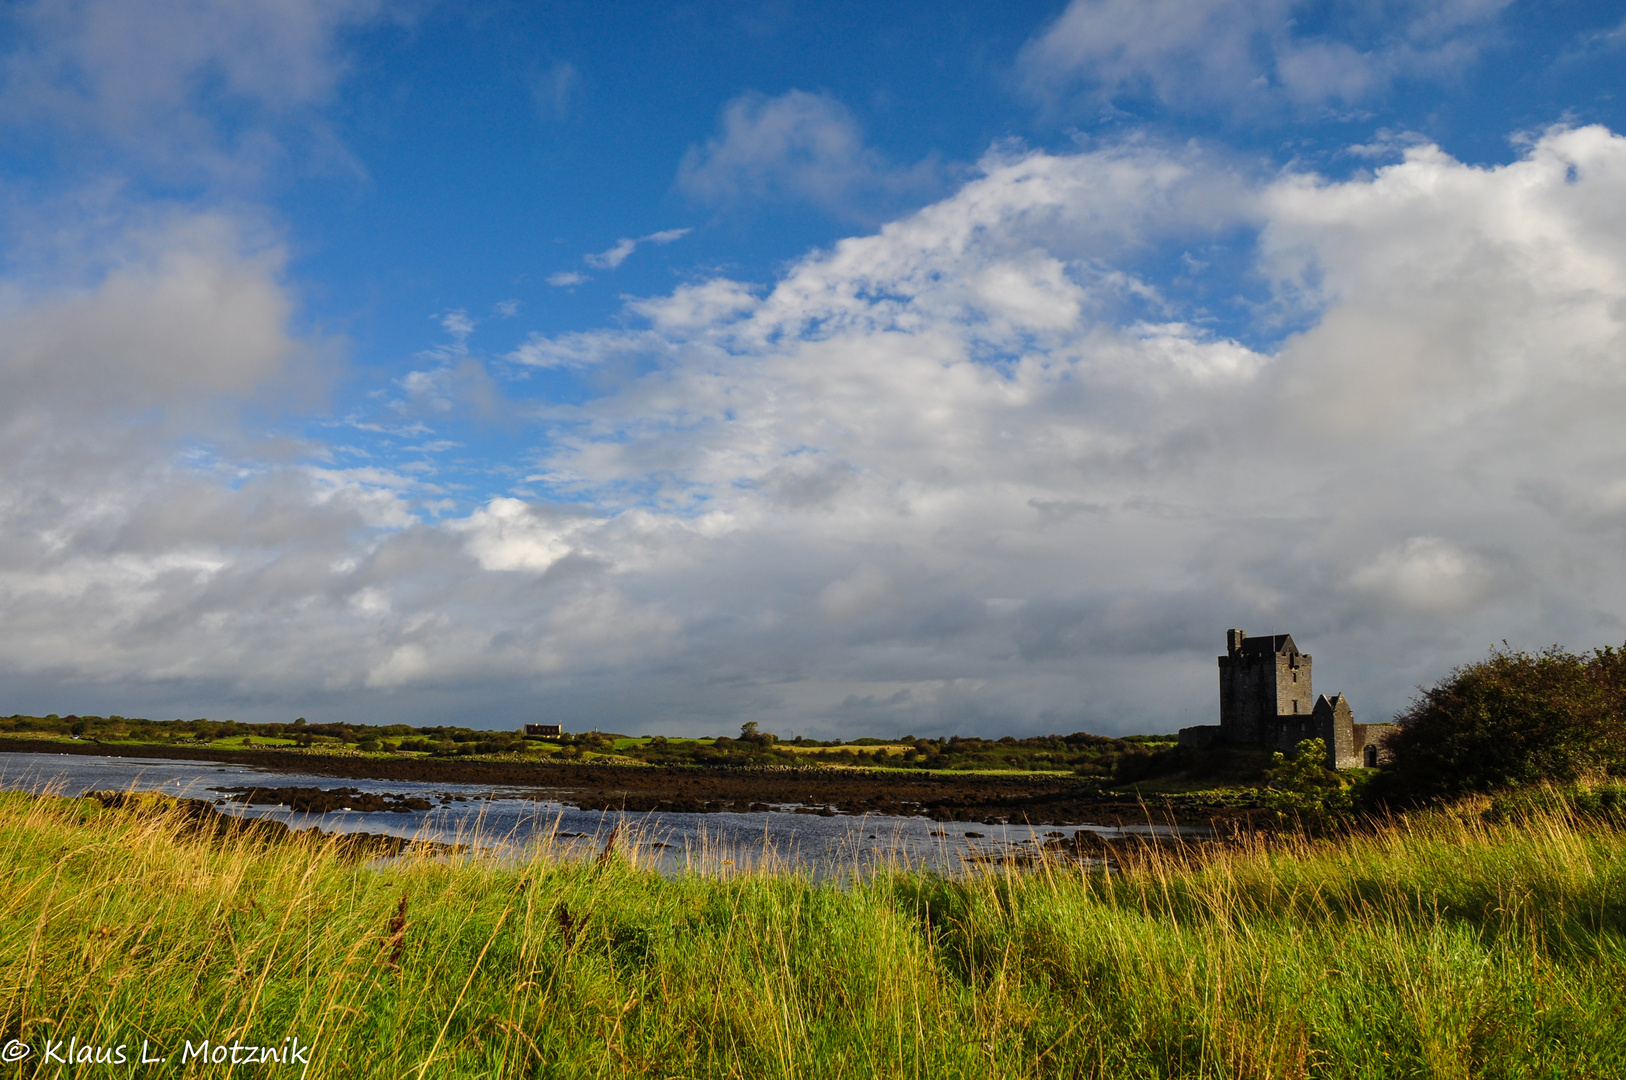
x: 1512, y: 719
x: 1302, y: 784
x: 1603, y: 801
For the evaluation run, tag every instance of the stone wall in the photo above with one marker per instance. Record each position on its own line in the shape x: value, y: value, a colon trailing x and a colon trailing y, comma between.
x: 1258, y: 689
x: 1369, y: 737
x: 1335, y: 723
x: 1293, y: 694
x: 1247, y: 697
x: 1266, y: 700
x: 1201, y: 737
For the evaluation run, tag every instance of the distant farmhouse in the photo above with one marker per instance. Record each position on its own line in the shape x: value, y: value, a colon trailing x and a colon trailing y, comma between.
x: 1265, y: 700
x: 542, y: 731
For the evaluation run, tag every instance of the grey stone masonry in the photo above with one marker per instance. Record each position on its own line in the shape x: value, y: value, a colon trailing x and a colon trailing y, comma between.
x: 1266, y: 700
x: 1261, y: 680
x: 1335, y: 726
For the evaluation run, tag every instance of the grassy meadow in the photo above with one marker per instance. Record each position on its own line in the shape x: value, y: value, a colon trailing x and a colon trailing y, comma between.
x: 1451, y: 944
x: 1092, y: 758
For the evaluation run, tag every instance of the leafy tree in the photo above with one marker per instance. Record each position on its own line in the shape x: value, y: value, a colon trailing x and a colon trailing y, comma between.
x: 1305, y: 772
x: 1302, y: 783
x: 752, y: 735
x: 1513, y: 718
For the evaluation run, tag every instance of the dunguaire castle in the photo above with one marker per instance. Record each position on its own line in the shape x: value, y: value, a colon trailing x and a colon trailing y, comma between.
x: 1266, y: 700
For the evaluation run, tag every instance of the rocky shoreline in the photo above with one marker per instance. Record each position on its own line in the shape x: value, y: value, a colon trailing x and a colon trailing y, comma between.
x: 315, y: 800
x: 998, y: 798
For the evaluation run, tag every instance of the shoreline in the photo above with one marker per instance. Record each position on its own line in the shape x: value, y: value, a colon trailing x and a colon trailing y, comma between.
x: 1041, y: 799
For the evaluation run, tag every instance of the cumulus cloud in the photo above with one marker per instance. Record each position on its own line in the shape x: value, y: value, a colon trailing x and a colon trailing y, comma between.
x: 180, y: 84
x: 508, y: 534
x: 798, y: 147
x: 965, y: 397
x: 192, y: 310
x: 132, y: 541
x: 1250, y: 57
x: 974, y: 470
x: 1426, y: 574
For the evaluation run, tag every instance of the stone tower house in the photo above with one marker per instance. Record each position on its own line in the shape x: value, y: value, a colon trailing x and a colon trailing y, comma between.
x: 1266, y: 700
x: 1261, y: 679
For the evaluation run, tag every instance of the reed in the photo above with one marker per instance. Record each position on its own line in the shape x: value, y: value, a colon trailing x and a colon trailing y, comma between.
x: 1438, y: 945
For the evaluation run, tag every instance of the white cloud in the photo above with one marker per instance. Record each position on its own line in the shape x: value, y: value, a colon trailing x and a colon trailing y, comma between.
x: 555, y: 91
x: 564, y: 279
x: 508, y: 534
x: 191, y: 309
x: 906, y: 401
x: 858, y: 593
x: 971, y: 471
x: 584, y: 349
x: 457, y: 323
x: 1250, y: 56
x: 1427, y: 575
x: 800, y: 147
x: 614, y: 257
x: 211, y: 85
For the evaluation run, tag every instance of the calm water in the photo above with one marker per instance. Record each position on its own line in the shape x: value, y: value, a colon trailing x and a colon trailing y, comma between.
x: 509, y: 818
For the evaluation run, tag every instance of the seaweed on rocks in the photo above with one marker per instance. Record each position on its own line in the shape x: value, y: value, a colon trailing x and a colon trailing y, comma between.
x: 312, y: 800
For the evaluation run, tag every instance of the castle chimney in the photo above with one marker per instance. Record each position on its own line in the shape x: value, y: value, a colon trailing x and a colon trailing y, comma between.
x: 1233, y: 641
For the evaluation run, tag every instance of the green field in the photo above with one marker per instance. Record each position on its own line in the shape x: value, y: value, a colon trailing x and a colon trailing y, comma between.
x: 1094, y: 759
x: 1458, y: 942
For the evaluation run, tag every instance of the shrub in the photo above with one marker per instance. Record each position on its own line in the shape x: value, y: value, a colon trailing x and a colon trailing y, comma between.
x: 1606, y: 801
x: 1302, y: 784
x: 1137, y: 765
x: 1511, y: 719
x: 750, y: 734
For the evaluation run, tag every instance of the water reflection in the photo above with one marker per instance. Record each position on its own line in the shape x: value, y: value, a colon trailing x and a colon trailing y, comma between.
x: 512, y: 820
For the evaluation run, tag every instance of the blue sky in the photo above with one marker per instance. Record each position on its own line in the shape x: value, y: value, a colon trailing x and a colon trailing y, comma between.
x: 925, y: 367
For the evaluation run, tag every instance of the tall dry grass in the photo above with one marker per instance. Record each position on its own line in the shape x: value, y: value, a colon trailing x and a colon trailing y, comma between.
x: 1437, y: 946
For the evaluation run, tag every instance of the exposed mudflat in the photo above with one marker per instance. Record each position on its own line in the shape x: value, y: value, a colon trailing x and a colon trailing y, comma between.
x: 1014, y: 797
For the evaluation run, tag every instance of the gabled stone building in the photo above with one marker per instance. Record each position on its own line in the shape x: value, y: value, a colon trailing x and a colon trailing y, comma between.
x: 1266, y: 700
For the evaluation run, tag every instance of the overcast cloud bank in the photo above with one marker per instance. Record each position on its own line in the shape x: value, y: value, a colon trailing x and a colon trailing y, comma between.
x: 989, y: 468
